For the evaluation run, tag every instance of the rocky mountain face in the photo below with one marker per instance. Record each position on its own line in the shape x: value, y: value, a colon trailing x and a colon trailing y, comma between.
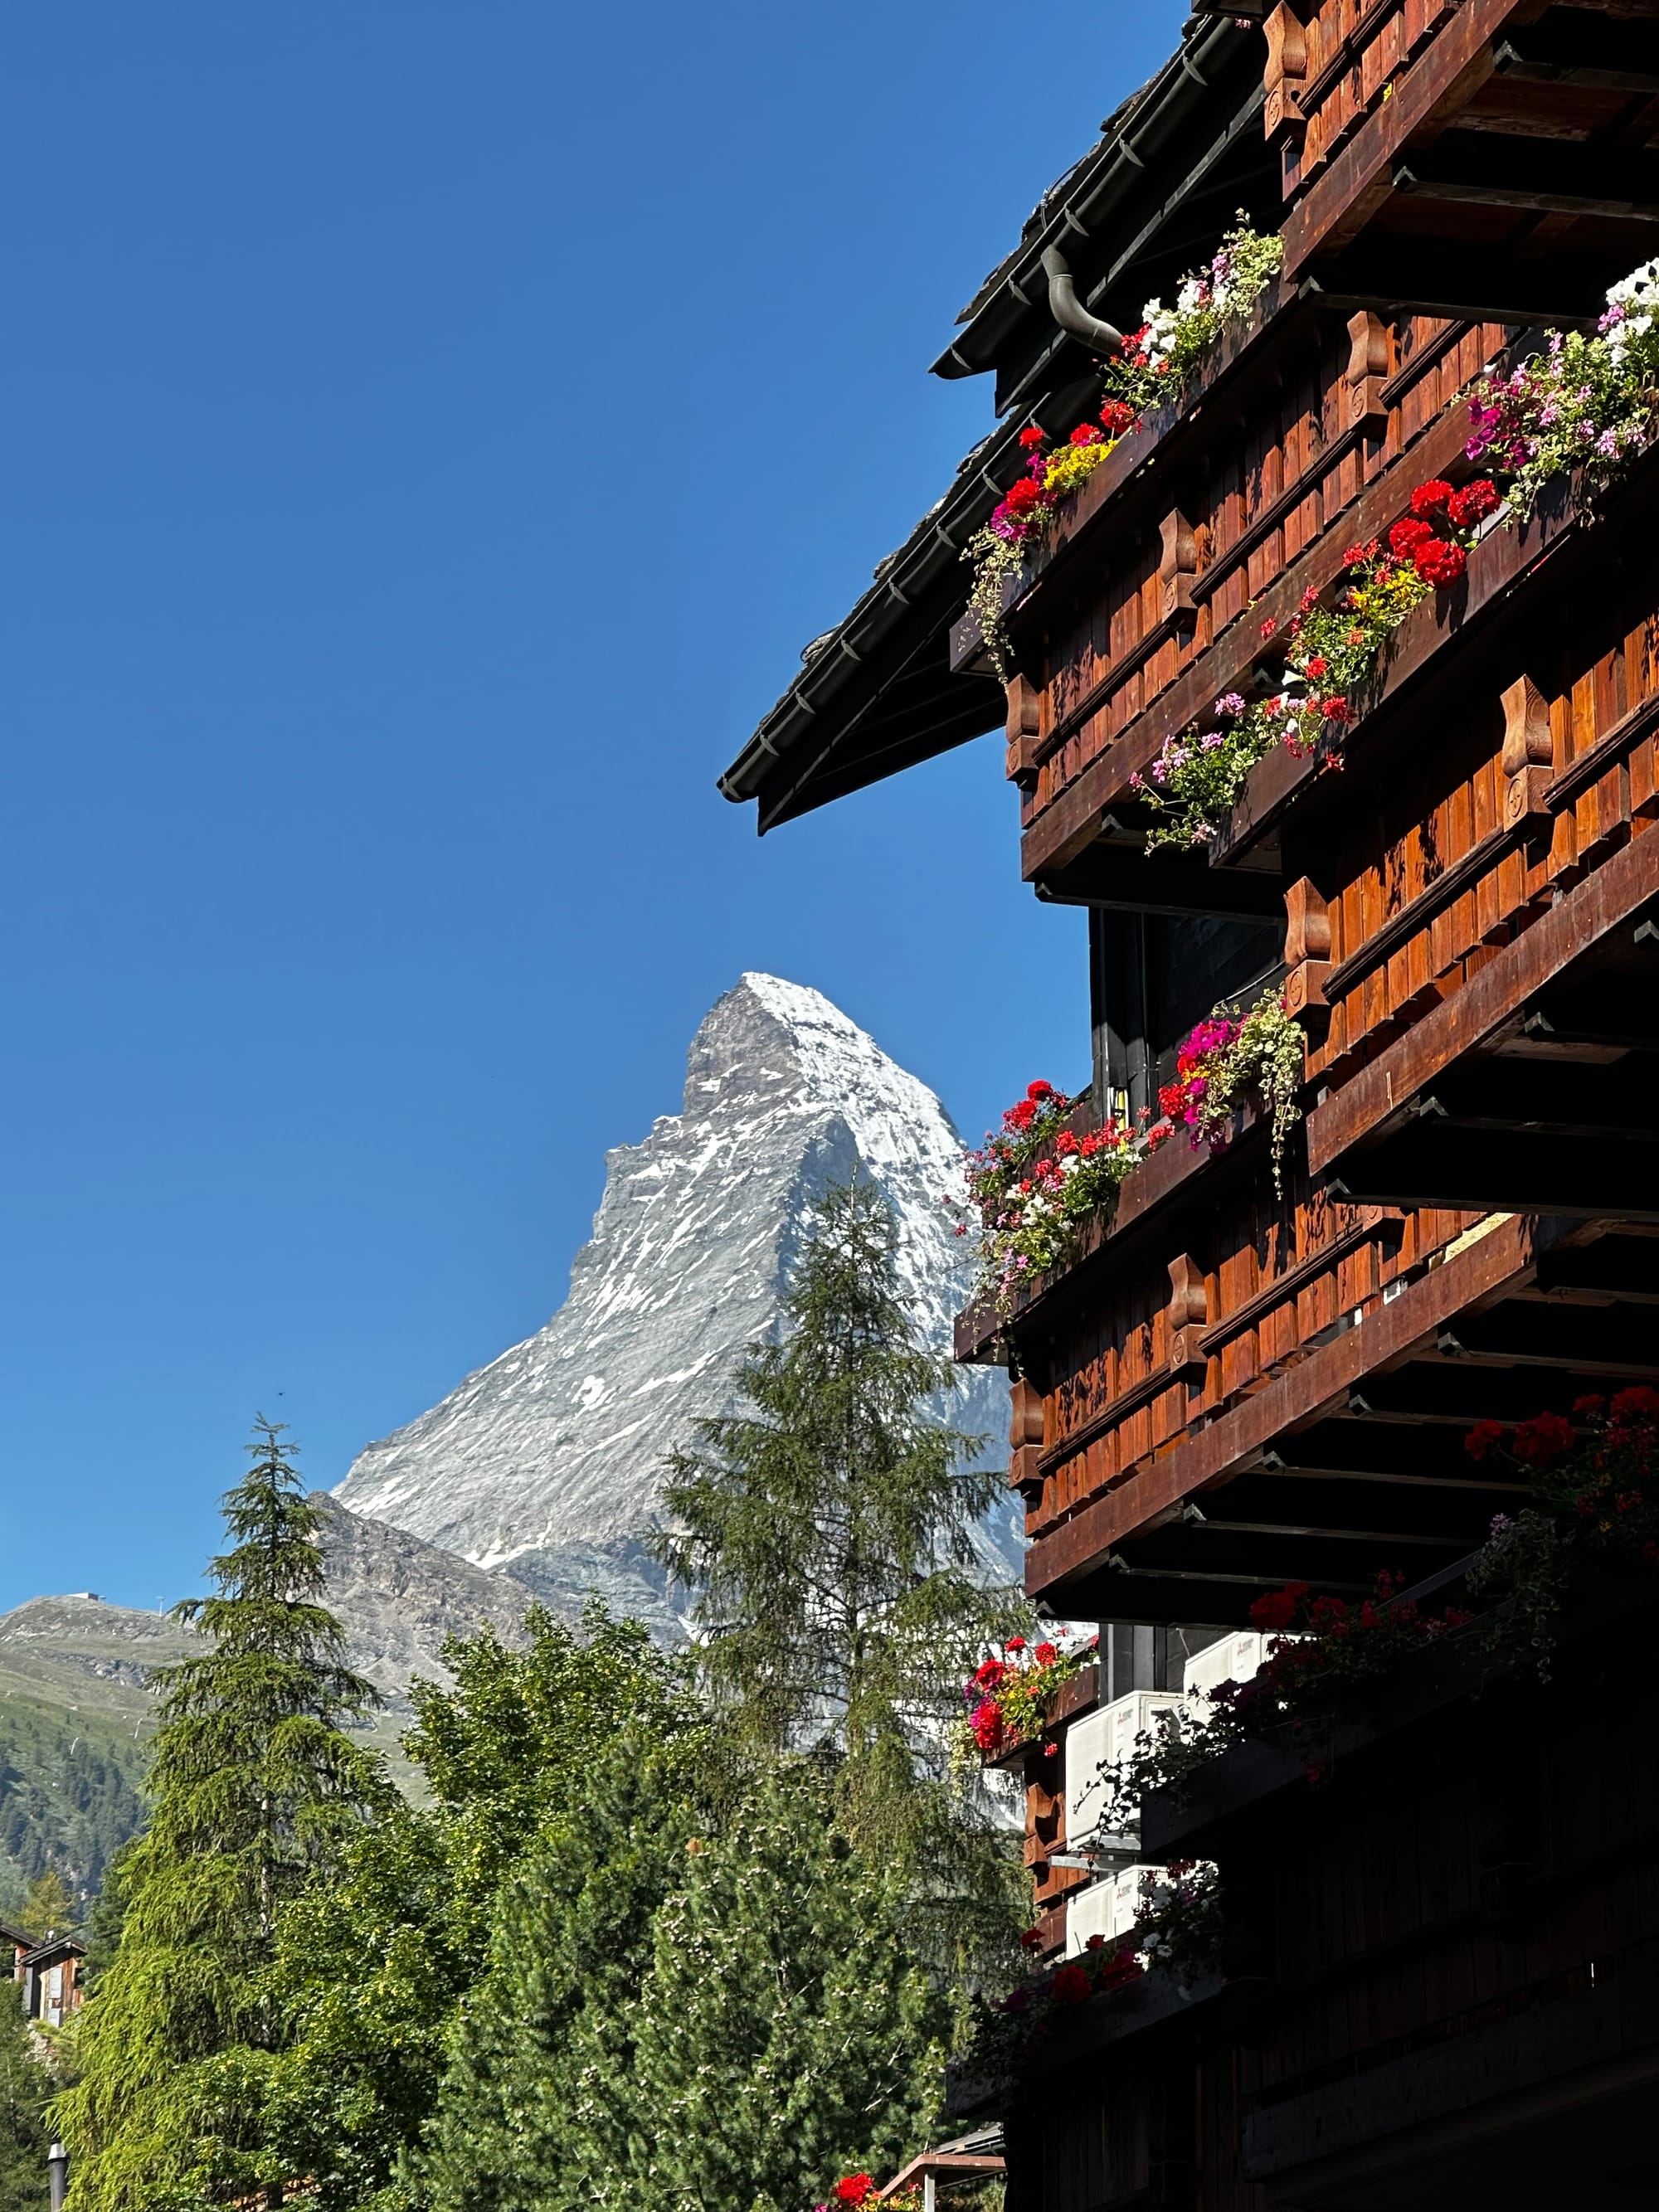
x: 549, y: 1460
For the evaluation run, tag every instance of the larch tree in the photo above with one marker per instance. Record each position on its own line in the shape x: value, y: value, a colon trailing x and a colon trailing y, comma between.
x: 253, y: 1784
x: 828, y: 1532
x: 49, y: 1909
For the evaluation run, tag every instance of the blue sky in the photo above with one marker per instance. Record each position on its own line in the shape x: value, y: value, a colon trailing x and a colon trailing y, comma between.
x: 435, y: 430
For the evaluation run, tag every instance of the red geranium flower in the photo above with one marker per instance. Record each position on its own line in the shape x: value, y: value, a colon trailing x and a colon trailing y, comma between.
x: 1045, y: 1655
x: 989, y: 1674
x: 1086, y: 435
x: 854, y: 2188
x: 1317, y: 665
x: 1429, y: 498
x: 1438, y: 562
x: 1070, y: 1984
x: 1638, y: 1403
x: 1279, y: 1608
x: 1481, y: 1438
x: 1547, y: 1437
x: 1117, y: 416
x: 1016, y: 1644
x: 1335, y: 708
x: 1040, y: 1091
x: 1031, y: 1940
x: 1268, y: 627
x: 1031, y: 437
x: 1025, y: 497
x: 1406, y: 537
x: 1473, y: 504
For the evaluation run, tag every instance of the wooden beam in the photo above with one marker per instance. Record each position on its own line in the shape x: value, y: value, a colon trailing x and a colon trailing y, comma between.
x: 1348, y: 192
x: 1325, y: 1534
x: 1067, y: 826
x: 1516, y: 68
x: 1427, y: 1165
x: 1321, y: 1383
x: 1534, y: 199
x: 1301, y: 1474
x: 1119, y: 873
x: 1382, y: 1091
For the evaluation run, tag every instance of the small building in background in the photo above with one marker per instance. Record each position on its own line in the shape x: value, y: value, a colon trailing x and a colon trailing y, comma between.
x: 51, y: 1975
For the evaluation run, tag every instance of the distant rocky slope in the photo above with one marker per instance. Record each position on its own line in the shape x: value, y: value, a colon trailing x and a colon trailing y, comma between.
x: 549, y: 1459
x: 75, y: 1714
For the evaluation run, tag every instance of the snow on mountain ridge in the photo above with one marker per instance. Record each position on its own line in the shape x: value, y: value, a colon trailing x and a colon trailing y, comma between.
x: 551, y: 1456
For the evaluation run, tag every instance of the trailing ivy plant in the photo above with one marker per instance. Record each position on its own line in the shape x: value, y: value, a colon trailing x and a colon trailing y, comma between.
x: 1228, y: 1056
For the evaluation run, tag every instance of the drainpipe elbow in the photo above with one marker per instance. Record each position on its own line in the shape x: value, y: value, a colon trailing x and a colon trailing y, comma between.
x: 1069, y: 311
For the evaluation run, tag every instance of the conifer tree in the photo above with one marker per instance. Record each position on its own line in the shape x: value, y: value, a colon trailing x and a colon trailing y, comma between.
x: 827, y: 1531
x: 691, y: 2008
x: 49, y: 1909
x: 252, y: 1783
x: 25, y: 2088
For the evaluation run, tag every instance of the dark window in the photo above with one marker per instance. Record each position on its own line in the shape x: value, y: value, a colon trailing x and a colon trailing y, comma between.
x: 1151, y: 977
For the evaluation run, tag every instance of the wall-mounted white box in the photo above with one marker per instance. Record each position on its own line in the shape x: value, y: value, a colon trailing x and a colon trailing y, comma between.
x: 1100, y: 1741
x: 1235, y: 1658
x: 1108, y: 1908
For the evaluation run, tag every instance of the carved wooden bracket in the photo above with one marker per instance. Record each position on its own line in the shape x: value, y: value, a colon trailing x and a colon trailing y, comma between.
x: 1286, y: 76
x: 1189, y: 1311
x: 1176, y: 569
x: 1025, y: 1442
x: 1307, y: 955
x: 1024, y: 729
x: 1368, y: 368
x: 1528, y: 755
x: 1306, y: 924
x: 1305, y: 997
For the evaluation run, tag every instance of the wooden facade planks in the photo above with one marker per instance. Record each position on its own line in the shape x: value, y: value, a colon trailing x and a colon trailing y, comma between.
x: 1157, y: 1483
x: 1466, y: 1908
x: 1112, y: 654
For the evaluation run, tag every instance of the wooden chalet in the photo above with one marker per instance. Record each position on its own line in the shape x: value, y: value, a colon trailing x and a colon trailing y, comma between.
x: 51, y: 1975
x: 1440, y: 1980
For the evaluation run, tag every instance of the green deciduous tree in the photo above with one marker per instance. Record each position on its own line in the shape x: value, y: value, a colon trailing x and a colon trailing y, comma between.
x: 253, y: 1785
x: 828, y: 1531
x: 373, y: 1966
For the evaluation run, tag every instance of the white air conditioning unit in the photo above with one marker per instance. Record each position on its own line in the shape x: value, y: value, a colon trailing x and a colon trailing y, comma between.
x: 1235, y: 1658
x: 1099, y: 1741
x: 1108, y: 1908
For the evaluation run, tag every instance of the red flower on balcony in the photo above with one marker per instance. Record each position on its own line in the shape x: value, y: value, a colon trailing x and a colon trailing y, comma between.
x: 1070, y: 1984
x: 854, y: 2189
x: 1543, y: 1440
x: 1406, y: 536
x: 1275, y: 1612
x: 1439, y: 562
x: 1473, y: 504
x: 1429, y: 499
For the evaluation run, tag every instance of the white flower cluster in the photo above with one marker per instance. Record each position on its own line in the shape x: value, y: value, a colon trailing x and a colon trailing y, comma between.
x: 1163, y: 326
x: 1632, y: 308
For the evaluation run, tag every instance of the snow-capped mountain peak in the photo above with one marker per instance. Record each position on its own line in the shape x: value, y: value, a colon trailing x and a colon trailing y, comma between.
x: 550, y: 1457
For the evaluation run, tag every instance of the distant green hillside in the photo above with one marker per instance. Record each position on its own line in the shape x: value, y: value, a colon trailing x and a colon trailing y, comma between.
x: 74, y: 1717
x: 75, y: 1723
